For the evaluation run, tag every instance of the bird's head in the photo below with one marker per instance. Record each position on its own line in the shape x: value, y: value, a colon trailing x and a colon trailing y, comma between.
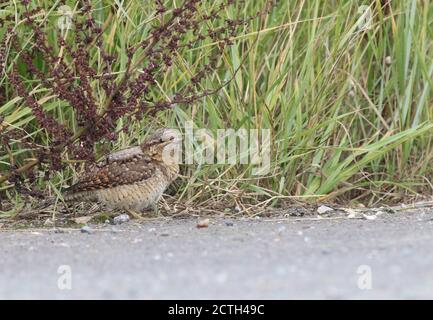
x: 163, y: 145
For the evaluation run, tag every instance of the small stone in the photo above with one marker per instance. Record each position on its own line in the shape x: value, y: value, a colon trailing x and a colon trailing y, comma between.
x: 229, y: 223
x: 203, y: 223
x: 324, y: 209
x: 367, y: 217
x: 86, y: 229
x: 297, y: 212
x: 121, y: 219
x: 57, y: 230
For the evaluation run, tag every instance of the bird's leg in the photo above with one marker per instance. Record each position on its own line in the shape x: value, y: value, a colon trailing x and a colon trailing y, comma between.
x: 150, y: 211
x: 155, y: 208
x: 134, y: 214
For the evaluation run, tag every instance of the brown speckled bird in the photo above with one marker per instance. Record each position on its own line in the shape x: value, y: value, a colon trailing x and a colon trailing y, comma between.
x: 132, y: 179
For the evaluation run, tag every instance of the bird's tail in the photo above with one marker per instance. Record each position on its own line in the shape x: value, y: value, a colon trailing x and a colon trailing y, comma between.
x: 81, y: 196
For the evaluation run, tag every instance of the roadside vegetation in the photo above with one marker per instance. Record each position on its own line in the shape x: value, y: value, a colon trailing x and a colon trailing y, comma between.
x: 345, y: 88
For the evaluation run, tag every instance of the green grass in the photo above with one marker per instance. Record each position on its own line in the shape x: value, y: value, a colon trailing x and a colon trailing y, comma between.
x: 350, y: 108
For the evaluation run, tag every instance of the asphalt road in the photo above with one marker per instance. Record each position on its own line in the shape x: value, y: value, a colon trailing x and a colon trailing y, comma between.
x: 389, y: 257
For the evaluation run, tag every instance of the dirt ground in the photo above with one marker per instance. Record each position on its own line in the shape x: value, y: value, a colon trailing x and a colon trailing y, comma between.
x: 378, y: 254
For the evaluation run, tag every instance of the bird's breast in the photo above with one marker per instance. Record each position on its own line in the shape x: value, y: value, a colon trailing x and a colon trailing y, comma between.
x: 137, y: 196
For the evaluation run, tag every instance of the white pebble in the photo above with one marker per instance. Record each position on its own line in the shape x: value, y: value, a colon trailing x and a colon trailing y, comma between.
x: 121, y: 219
x: 373, y: 217
x: 86, y: 229
x: 324, y: 209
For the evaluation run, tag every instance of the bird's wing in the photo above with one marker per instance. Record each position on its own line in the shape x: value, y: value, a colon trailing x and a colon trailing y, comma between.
x: 124, y: 154
x: 121, y: 155
x: 114, y: 173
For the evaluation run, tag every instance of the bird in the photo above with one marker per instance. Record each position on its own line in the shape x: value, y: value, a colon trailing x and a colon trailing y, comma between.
x: 131, y: 179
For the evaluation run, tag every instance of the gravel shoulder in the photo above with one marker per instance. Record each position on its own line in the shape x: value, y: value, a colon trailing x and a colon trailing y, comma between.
x: 388, y: 257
